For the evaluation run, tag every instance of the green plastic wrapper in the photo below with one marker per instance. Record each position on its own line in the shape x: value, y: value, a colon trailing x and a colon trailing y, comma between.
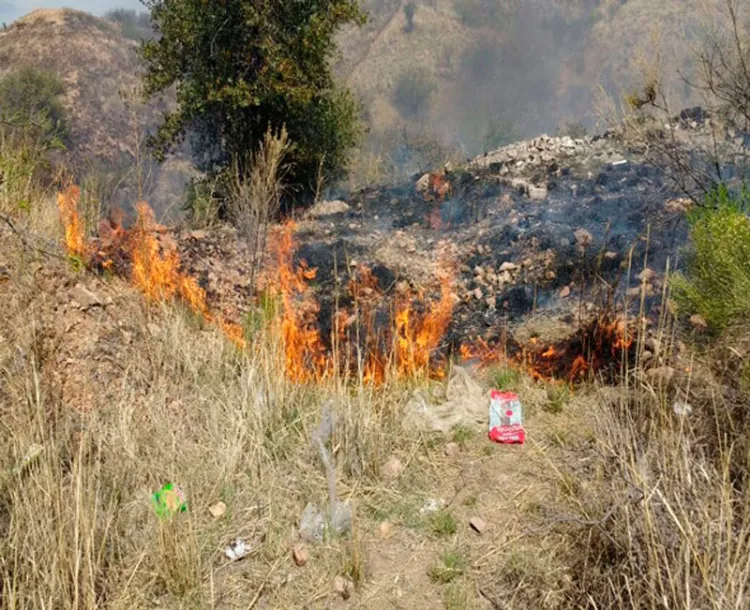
x: 168, y: 501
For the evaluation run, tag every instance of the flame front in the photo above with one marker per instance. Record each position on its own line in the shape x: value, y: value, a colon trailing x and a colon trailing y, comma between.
x: 75, y: 238
x: 155, y: 268
x: 304, y: 353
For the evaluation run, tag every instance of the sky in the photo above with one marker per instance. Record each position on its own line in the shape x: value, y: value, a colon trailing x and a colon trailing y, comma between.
x: 12, y: 9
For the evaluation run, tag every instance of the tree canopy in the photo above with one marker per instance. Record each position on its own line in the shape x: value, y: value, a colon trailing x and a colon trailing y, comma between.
x: 240, y: 67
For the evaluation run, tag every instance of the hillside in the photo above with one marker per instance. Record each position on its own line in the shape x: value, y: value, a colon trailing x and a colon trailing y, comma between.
x: 533, y: 65
x: 305, y: 412
x: 106, y: 118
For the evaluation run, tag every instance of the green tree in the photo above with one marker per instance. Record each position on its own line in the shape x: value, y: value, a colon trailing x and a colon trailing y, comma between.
x: 241, y: 67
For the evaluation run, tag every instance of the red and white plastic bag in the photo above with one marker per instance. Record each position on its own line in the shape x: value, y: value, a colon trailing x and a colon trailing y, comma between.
x: 506, y: 418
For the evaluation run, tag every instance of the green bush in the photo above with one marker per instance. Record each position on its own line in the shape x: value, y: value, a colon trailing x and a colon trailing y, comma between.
x: 412, y: 94
x: 716, y: 280
x: 30, y: 99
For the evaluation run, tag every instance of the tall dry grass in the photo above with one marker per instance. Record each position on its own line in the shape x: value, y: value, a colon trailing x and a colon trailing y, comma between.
x: 78, y: 528
x: 657, y: 500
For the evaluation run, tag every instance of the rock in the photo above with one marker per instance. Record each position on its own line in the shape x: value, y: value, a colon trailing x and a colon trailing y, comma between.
x: 478, y: 524
x: 634, y: 292
x: 85, y: 298
x: 537, y: 193
x: 328, y: 208
x: 343, y: 586
x: 565, y: 292
x: 300, y: 555
x: 423, y: 184
x: 218, y: 510
x: 646, y: 275
x: 698, y: 322
x: 583, y: 238
x: 198, y: 234
x: 432, y: 505
x: 478, y: 294
x: 451, y: 449
x: 385, y: 530
x: 393, y: 468
x: 508, y: 266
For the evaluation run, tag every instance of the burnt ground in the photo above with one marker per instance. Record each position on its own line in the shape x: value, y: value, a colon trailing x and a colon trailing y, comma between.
x: 539, y: 235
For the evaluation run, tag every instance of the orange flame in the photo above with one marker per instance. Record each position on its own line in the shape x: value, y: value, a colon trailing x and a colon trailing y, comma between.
x: 67, y: 203
x: 303, y: 350
x: 156, y: 272
x: 417, y: 336
x: 155, y: 267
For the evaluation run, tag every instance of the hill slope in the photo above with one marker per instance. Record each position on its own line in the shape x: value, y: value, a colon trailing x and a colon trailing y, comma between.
x: 535, y: 64
x: 96, y: 64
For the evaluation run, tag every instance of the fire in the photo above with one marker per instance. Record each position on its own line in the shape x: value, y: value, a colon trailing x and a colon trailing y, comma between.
x: 596, y: 348
x: 405, y: 347
x: 418, y: 336
x: 304, y: 352
x: 155, y: 267
x: 67, y: 203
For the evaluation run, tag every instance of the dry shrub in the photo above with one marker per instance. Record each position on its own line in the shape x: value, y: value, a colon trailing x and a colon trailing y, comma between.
x: 256, y: 191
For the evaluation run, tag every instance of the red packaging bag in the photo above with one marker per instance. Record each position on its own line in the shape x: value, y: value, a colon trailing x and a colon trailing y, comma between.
x: 506, y: 418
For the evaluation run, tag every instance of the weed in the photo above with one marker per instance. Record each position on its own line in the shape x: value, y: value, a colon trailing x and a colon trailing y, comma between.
x: 457, y: 597
x: 505, y: 378
x: 462, y: 435
x: 442, y: 523
x: 452, y: 565
x: 558, y: 396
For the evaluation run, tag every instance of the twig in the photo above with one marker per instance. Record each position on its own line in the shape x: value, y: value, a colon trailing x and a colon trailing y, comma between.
x: 25, y: 241
x: 263, y: 584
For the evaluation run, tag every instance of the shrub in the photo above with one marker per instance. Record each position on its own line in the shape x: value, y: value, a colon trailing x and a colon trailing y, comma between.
x: 201, y: 205
x: 716, y: 281
x: 412, y: 94
x: 30, y: 98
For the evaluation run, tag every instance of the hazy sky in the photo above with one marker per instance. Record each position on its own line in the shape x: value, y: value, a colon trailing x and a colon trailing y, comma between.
x: 12, y: 9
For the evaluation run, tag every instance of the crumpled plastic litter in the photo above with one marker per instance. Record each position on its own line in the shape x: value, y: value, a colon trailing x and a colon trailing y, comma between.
x: 237, y: 550
x: 465, y: 405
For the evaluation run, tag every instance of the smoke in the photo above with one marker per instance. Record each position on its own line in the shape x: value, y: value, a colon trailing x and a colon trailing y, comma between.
x: 474, y: 75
